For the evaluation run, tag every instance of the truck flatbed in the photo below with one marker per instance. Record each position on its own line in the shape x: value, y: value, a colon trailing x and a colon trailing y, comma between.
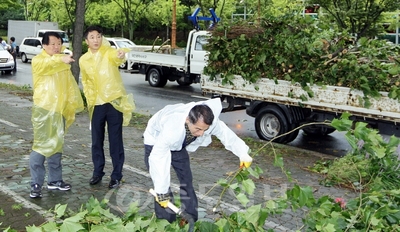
x: 166, y: 60
x: 333, y: 99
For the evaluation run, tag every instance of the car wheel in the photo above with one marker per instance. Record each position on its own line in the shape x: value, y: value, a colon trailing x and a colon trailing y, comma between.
x: 24, y: 58
x: 155, y: 78
x: 271, y: 122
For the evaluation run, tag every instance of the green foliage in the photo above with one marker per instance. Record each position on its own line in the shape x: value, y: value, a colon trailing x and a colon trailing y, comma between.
x: 302, y: 50
x: 17, y: 206
x: 359, y: 17
x: 349, y: 170
x: 2, y: 212
x: 372, y: 211
x: 373, y: 162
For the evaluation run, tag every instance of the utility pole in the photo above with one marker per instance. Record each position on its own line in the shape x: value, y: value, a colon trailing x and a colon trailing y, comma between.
x: 173, y: 34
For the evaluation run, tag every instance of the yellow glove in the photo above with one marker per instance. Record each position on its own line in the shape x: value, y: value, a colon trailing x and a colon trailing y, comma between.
x: 245, y: 161
x: 163, y: 199
x: 245, y: 164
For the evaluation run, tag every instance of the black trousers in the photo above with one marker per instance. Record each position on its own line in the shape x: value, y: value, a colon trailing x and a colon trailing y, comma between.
x: 181, y: 164
x: 103, y: 114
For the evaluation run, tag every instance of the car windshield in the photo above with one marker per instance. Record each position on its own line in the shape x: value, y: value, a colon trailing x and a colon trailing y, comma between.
x: 125, y: 43
x: 1, y: 48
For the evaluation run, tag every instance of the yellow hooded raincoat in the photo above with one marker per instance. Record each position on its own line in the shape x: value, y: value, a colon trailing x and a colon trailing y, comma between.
x: 102, y: 81
x: 56, y: 99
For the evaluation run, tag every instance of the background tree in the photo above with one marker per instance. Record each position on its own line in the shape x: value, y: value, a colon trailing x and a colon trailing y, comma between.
x: 78, y: 36
x: 133, y: 10
x: 359, y: 17
x: 10, y: 10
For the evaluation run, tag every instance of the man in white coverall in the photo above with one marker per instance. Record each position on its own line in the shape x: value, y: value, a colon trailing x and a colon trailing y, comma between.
x: 170, y: 134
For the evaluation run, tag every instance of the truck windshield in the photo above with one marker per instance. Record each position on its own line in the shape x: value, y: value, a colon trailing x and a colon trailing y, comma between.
x: 64, y: 37
x: 125, y: 44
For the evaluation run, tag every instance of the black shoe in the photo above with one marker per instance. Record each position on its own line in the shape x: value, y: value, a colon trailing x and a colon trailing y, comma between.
x: 36, y: 191
x: 95, y: 179
x: 59, y: 185
x: 113, y: 184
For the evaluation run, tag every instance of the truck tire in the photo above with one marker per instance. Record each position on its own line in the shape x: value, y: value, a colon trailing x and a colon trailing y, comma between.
x: 124, y: 65
x: 24, y: 58
x: 155, y: 78
x: 318, y: 130
x: 271, y: 122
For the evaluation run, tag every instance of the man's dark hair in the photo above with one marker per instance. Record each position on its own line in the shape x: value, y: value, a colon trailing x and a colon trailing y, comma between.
x: 201, y: 112
x: 12, y: 38
x: 46, y: 37
x: 92, y: 28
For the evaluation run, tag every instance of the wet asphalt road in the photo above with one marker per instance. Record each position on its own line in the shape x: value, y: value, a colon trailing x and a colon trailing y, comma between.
x: 149, y: 100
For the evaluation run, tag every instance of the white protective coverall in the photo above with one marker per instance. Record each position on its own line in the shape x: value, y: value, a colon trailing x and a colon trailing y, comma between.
x: 166, y: 132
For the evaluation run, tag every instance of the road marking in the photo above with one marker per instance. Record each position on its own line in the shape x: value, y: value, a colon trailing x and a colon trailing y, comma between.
x: 201, y: 97
x: 8, y: 123
x: 27, y: 204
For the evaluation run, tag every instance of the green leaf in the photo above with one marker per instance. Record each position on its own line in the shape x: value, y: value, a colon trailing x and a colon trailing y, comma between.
x: 207, y: 227
x: 255, y: 172
x: 329, y: 228
x: 242, y: 198
x: 306, y: 196
x: 394, y: 70
x: 73, y: 223
x: 223, y: 182
x: 252, y: 214
x: 60, y: 210
x: 36, y: 229
x: 342, y: 124
x: 223, y: 224
x: 278, y: 161
x: 249, y: 186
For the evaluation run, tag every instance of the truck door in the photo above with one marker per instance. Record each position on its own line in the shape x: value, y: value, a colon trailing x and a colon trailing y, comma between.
x: 198, y: 54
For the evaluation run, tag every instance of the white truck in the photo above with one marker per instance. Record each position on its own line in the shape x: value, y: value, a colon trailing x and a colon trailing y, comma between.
x: 118, y: 42
x: 280, y: 107
x: 21, y: 29
x: 184, y: 67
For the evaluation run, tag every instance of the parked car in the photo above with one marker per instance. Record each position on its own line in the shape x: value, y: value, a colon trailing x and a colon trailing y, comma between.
x: 32, y: 46
x: 6, y: 61
x: 121, y: 43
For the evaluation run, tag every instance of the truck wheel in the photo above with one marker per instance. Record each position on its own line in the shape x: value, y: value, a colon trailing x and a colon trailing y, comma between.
x: 318, y: 130
x: 271, y: 122
x: 155, y: 79
x: 24, y: 59
x: 292, y: 136
x: 124, y: 65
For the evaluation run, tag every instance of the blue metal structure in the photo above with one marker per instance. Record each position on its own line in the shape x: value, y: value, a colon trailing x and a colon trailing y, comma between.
x: 195, y: 19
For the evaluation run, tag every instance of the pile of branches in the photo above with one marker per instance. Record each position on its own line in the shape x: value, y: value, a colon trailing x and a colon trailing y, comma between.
x: 303, y: 50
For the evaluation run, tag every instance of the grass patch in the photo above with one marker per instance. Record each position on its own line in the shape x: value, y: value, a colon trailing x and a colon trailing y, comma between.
x: 139, y: 121
x: 24, y: 91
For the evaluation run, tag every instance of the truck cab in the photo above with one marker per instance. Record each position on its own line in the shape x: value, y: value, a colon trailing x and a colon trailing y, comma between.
x: 197, y: 53
x: 183, y: 66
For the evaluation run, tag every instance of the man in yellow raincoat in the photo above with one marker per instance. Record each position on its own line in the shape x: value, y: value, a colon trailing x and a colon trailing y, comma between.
x: 56, y: 99
x: 107, y: 102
